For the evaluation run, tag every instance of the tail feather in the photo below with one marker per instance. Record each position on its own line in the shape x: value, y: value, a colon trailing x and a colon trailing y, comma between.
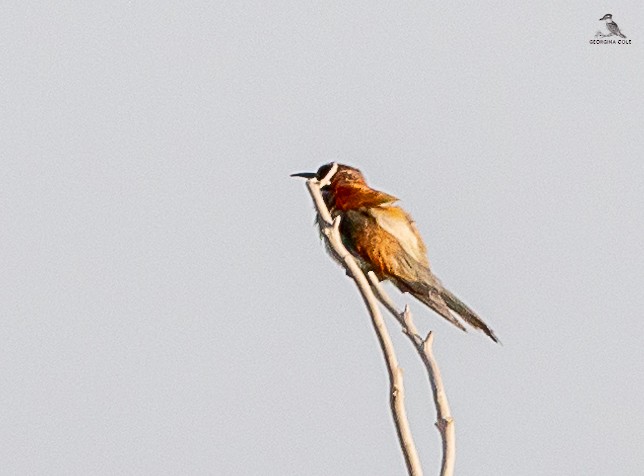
x: 421, y: 283
x: 467, y: 314
x: 431, y: 296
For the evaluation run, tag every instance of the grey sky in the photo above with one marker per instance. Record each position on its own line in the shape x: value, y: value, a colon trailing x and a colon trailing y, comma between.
x: 166, y: 306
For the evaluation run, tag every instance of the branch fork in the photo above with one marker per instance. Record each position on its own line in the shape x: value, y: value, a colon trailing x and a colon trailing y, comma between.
x: 372, y: 292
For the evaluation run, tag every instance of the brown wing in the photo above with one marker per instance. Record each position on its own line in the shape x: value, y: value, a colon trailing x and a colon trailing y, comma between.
x: 378, y: 248
x: 395, y: 221
x: 381, y: 252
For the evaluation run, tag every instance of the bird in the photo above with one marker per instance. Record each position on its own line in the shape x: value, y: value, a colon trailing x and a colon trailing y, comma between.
x: 611, y: 25
x: 384, y: 239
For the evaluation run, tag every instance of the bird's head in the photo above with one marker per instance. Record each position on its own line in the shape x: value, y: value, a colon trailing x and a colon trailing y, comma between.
x: 344, y: 174
x: 608, y: 16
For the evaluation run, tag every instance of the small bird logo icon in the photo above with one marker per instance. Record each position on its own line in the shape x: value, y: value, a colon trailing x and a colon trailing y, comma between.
x: 611, y: 25
x: 384, y: 239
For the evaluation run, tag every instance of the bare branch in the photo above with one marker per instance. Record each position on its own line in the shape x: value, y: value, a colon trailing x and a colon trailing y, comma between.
x: 331, y: 231
x: 444, y: 420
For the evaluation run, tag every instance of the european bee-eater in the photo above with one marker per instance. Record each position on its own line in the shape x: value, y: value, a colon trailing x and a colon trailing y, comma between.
x: 384, y: 239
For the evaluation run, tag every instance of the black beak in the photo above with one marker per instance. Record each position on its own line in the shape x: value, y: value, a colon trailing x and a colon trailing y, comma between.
x: 307, y: 175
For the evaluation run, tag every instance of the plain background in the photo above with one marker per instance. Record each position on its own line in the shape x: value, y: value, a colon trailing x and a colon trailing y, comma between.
x: 166, y: 306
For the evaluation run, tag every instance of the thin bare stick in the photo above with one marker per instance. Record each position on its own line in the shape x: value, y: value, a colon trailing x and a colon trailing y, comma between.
x: 331, y: 231
x: 444, y: 420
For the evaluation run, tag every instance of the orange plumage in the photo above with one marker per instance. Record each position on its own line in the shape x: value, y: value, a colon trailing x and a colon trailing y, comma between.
x: 384, y: 239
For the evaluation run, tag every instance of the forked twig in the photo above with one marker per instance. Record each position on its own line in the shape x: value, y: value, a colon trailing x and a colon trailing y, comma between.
x: 444, y: 420
x: 370, y: 290
x: 331, y: 231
